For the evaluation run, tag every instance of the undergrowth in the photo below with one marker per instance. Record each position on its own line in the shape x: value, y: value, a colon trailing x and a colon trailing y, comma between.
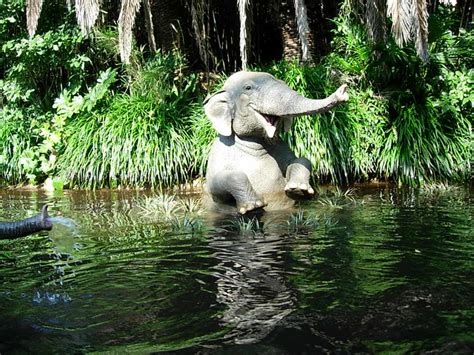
x: 70, y: 111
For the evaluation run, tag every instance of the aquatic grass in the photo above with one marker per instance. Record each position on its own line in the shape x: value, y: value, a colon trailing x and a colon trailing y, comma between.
x: 300, y: 222
x: 336, y: 197
x: 439, y: 187
x: 245, y: 226
x: 192, y: 206
x: 167, y: 205
x: 187, y: 225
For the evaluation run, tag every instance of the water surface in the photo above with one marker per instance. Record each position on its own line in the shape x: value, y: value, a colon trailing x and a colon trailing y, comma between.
x: 383, y: 269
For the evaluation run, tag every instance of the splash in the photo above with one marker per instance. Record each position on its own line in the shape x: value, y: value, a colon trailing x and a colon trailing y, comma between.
x: 67, y: 222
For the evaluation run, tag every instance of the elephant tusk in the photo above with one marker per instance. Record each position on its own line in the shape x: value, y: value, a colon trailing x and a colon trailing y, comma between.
x: 269, y: 124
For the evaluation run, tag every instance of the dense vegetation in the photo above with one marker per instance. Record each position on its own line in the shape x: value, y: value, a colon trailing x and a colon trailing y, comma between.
x: 73, y: 113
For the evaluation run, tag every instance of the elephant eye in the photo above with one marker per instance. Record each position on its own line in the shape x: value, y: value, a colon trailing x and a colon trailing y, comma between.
x: 248, y: 87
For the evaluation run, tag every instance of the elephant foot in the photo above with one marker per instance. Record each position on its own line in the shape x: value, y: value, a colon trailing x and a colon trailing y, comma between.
x: 299, y: 191
x: 248, y: 206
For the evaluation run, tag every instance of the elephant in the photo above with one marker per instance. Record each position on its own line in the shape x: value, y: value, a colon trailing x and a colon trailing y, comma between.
x: 38, y: 223
x: 249, y: 167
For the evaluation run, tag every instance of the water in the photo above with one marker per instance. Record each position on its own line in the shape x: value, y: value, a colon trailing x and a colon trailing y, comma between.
x: 381, y: 270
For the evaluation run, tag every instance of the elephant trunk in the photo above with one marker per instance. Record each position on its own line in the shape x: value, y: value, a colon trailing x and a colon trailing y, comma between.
x: 38, y: 223
x: 279, y: 100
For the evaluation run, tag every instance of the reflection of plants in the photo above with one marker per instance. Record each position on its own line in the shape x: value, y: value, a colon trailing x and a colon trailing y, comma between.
x: 329, y: 222
x: 180, y: 214
x: 192, y: 206
x: 162, y: 205
x: 166, y: 206
x: 439, y: 187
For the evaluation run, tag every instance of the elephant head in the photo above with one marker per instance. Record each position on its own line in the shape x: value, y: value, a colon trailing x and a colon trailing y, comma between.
x: 254, y: 104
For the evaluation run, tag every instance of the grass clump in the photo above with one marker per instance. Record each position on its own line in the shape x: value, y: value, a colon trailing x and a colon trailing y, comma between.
x: 180, y: 214
x: 141, y: 138
x: 300, y: 222
x: 246, y: 226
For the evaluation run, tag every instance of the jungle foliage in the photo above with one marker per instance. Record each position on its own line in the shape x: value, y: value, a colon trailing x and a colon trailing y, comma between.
x: 72, y: 112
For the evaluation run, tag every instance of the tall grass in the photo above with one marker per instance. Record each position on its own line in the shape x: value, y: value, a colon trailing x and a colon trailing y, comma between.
x: 147, y: 137
x: 15, y: 138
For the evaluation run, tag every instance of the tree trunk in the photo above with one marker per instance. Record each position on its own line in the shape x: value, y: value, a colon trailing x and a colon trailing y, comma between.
x: 168, y: 31
x: 150, y: 28
x: 289, y: 31
x: 303, y: 29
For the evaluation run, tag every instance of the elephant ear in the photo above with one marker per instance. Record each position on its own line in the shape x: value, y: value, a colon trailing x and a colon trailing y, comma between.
x: 287, y: 123
x: 219, y: 109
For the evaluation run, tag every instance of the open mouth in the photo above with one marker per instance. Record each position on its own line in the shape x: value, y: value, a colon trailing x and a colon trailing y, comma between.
x: 269, y: 123
x: 273, y: 120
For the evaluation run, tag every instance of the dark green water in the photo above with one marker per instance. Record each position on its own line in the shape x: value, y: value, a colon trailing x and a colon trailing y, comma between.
x: 385, y: 270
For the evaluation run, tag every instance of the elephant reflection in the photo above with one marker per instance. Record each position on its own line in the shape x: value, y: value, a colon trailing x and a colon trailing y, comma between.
x: 251, y: 284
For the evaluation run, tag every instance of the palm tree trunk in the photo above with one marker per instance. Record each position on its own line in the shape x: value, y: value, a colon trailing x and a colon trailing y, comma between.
x: 87, y: 12
x: 197, y: 9
x: 150, y: 29
x: 167, y: 14
x: 33, y: 11
x: 420, y: 17
x: 128, y: 12
x: 243, y: 7
x: 375, y: 17
x: 289, y: 31
x: 303, y: 29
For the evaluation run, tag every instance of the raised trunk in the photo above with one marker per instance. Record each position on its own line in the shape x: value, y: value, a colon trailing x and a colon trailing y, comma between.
x: 12, y: 230
x: 280, y: 100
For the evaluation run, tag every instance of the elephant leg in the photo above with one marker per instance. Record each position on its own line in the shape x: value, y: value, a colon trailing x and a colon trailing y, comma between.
x: 297, y: 179
x: 10, y: 230
x: 228, y: 186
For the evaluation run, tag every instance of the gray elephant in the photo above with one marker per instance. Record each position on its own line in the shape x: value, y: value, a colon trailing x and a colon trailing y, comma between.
x: 249, y: 166
x: 38, y: 223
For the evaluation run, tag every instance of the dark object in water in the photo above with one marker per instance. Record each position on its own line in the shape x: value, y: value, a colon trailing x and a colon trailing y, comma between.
x: 38, y: 223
